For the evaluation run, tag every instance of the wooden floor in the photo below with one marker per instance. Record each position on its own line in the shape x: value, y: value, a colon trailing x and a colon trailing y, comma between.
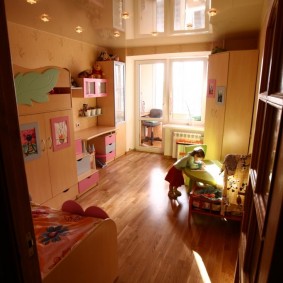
x: 155, y: 242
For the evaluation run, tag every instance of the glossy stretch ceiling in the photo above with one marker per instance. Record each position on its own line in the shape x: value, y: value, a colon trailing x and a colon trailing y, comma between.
x: 101, y: 18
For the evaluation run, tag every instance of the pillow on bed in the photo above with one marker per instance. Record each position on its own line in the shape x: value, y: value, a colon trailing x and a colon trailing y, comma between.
x: 73, y: 207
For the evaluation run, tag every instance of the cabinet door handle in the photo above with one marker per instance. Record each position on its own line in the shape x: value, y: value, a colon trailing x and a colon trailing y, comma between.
x: 49, y: 139
x: 42, y: 145
x: 65, y: 190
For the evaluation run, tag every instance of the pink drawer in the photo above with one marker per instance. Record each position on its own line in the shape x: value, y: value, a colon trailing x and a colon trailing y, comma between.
x: 106, y: 157
x: 78, y: 146
x: 88, y: 182
x: 110, y: 138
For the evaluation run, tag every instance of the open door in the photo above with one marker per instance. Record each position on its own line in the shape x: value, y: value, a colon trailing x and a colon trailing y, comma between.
x: 150, y: 76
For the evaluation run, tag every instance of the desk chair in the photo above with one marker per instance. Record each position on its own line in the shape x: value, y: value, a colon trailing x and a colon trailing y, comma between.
x: 154, y: 113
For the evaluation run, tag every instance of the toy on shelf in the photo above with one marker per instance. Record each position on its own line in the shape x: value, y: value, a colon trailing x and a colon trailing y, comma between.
x: 104, y: 56
x: 97, y: 72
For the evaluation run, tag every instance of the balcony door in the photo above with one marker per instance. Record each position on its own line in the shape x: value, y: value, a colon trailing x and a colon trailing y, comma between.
x: 150, y: 78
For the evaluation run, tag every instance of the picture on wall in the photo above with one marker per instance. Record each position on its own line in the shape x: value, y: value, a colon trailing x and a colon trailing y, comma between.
x: 30, y: 141
x: 211, y: 88
x: 220, y: 94
x: 60, y: 132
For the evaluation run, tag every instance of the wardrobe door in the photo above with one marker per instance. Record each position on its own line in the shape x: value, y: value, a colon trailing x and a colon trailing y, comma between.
x: 62, y: 162
x: 33, y: 139
x: 239, y: 102
x: 215, y: 112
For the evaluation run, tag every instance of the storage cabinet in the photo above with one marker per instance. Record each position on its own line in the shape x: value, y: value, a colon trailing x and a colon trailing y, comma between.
x: 88, y: 182
x: 90, y: 87
x: 228, y: 120
x: 87, y: 173
x: 51, y: 168
x: 113, y: 106
x: 105, y: 147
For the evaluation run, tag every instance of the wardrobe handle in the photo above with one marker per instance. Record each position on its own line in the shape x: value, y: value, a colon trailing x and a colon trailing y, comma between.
x: 49, y: 139
x: 43, y: 145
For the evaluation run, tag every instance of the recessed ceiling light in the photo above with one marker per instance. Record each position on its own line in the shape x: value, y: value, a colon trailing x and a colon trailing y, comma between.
x: 212, y: 12
x: 79, y: 29
x: 116, y: 33
x: 32, y: 1
x: 45, y: 18
x: 125, y: 15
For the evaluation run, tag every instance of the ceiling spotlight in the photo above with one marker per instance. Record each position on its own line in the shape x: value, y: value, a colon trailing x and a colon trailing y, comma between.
x: 79, y: 29
x: 212, y: 12
x: 32, y: 1
x: 125, y: 15
x: 45, y: 18
x: 116, y: 33
x: 154, y: 33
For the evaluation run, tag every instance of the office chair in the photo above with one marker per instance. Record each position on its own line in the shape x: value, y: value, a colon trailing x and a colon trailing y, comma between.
x: 153, y: 113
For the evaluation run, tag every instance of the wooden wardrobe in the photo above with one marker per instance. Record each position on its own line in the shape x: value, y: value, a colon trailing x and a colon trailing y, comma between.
x: 229, y: 107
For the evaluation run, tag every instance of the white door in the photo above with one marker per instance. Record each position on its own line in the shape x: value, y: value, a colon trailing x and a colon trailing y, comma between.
x: 150, y: 80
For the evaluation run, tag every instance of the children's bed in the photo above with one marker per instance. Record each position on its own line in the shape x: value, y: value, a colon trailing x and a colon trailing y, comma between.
x: 73, y: 247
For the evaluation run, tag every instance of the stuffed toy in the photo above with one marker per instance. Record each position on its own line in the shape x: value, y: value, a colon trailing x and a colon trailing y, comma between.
x: 84, y: 74
x: 104, y: 56
x: 97, y: 72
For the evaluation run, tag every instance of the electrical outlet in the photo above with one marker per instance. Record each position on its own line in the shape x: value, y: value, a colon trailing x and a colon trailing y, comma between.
x: 77, y: 124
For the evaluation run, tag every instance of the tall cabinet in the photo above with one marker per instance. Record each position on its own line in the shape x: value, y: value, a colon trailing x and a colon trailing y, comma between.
x: 229, y: 102
x: 113, y: 106
x: 47, y: 136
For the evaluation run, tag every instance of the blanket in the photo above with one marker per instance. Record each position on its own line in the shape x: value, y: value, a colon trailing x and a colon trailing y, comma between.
x: 57, y: 232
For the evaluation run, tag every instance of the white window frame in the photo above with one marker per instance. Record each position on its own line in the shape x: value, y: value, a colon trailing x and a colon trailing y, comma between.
x: 188, y: 119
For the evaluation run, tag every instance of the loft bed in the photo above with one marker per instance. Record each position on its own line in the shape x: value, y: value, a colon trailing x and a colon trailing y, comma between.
x: 79, y: 246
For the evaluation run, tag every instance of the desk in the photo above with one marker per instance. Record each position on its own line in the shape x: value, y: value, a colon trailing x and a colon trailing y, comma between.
x: 210, y: 175
x: 93, y: 132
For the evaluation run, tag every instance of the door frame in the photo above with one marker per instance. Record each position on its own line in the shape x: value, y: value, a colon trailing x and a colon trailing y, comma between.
x: 138, y: 117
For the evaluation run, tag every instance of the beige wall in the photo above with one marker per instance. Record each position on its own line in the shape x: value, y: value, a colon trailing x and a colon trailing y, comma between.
x: 229, y: 44
x: 32, y: 48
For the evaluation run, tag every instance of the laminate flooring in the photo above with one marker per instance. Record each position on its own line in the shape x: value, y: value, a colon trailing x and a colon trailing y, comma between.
x: 155, y: 242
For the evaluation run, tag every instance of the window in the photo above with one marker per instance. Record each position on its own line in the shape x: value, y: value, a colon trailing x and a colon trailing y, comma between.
x: 190, y: 15
x: 151, y: 16
x: 188, y: 90
x: 151, y: 85
x: 178, y: 86
x: 176, y: 17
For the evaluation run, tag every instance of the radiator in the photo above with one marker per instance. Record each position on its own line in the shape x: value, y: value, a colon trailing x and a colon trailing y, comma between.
x: 180, y: 138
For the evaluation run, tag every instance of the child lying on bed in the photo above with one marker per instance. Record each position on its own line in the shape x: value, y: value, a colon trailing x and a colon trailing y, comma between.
x: 193, y: 160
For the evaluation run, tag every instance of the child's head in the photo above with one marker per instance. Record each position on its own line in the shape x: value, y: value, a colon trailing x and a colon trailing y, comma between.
x: 198, y: 153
